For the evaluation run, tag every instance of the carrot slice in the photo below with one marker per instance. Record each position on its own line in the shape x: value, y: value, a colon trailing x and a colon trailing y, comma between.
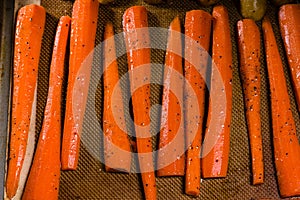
x: 82, y: 41
x: 215, y: 162
x: 43, y: 180
x: 116, y: 141
x: 138, y: 56
x: 28, y: 41
x: 285, y: 141
x: 197, y: 30
x: 289, y: 16
x: 172, y: 112
x: 249, y: 50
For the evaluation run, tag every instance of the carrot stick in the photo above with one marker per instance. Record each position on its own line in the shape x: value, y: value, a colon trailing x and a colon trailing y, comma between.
x: 138, y: 56
x: 289, y: 16
x: 171, y: 116
x: 43, y: 180
x: 197, y: 30
x: 83, y: 33
x: 249, y: 50
x: 285, y: 141
x: 28, y: 40
x: 215, y: 162
x: 114, y: 136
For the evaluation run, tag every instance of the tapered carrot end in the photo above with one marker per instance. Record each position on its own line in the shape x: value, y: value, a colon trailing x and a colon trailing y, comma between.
x: 175, y: 24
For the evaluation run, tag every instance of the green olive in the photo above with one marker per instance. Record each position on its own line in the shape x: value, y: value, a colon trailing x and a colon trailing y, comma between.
x: 253, y: 9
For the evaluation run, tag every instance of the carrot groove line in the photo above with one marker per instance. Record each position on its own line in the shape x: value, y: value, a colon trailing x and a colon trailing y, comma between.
x: 28, y: 40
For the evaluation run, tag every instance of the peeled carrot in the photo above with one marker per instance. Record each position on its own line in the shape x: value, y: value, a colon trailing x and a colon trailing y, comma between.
x: 249, y: 50
x: 43, y: 180
x: 28, y: 41
x: 285, y: 141
x: 82, y: 41
x: 215, y: 160
x: 172, y: 125
x: 116, y: 141
x: 138, y: 56
x: 289, y: 16
x: 197, y: 33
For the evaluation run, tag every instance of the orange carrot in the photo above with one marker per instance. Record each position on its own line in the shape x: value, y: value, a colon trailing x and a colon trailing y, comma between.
x: 114, y: 136
x: 289, y: 16
x: 28, y: 40
x: 172, y: 112
x: 197, y: 33
x: 215, y: 160
x: 43, y: 180
x: 249, y: 50
x: 285, y: 141
x: 82, y: 41
x: 138, y: 56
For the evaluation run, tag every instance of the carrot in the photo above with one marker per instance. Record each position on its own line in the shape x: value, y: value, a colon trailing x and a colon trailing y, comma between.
x: 171, y: 116
x: 43, y: 180
x: 215, y: 160
x: 249, y: 50
x: 114, y: 136
x: 82, y: 40
x: 28, y: 40
x: 138, y: 56
x: 197, y: 33
x: 285, y: 141
x: 289, y: 16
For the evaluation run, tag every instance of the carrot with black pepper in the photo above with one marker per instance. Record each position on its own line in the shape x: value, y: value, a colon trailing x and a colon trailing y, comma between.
x: 249, y: 51
x: 172, y: 125
x: 117, y: 152
x: 289, y: 16
x: 215, y: 153
x: 285, y: 141
x: 43, y: 179
x: 28, y: 41
x: 197, y: 40
x: 136, y: 32
x: 82, y: 41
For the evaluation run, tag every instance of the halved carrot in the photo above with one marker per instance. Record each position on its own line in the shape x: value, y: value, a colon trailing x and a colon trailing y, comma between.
x: 28, y: 41
x: 43, y: 180
x: 215, y: 160
x: 197, y: 33
x: 249, y: 50
x: 285, y: 141
x: 116, y: 142
x: 172, y: 125
x: 289, y: 16
x: 138, y: 56
x: 82, y: 41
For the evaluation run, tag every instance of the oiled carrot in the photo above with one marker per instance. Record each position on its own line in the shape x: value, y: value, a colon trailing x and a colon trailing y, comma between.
x: 116, y: 142
x: 172, y: 125
x: 215, y: 160
x: 83, y: 33
x: 43, y: 180
x: 289, y: 16
x: 138, y: 56
x: 285, y: 141
x: 249, y: 51
x: 197, y: 33
x: 28, y: 40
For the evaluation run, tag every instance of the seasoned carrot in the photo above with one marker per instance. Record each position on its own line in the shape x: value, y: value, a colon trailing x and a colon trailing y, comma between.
x: 83, y: 33
x: 197, y: 33
x: 172, y: 112
x: 135, y: 25
x: 115, y: 136
x: 249, y: 50
x: 215, y: 160
x: 285, y: 141
x: 28, y: 40
x: 43, y: 179
x: 289, y: 16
